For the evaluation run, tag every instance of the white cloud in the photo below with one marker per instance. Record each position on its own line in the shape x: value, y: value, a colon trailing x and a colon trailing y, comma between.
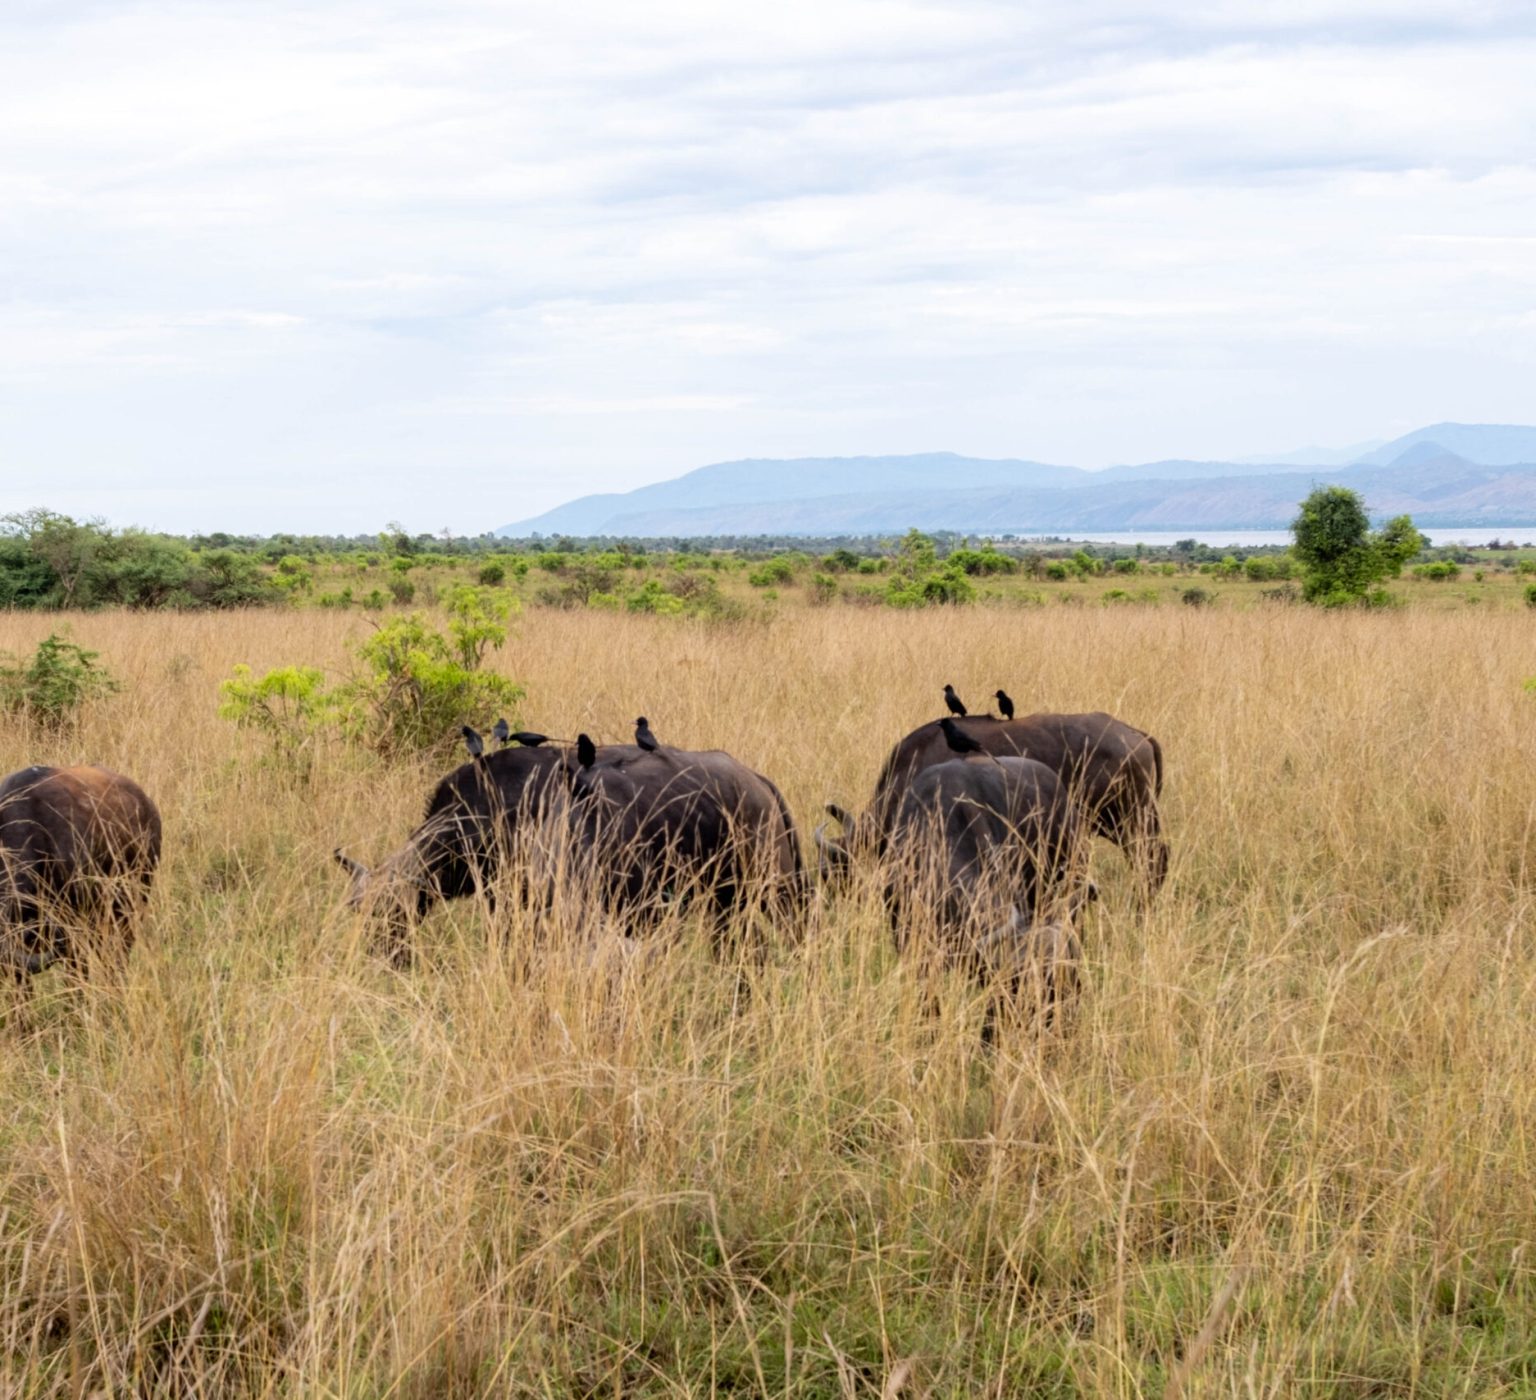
x: 260, y: 259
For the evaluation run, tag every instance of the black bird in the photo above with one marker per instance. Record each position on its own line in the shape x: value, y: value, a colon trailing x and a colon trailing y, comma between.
x: 501, y: 733
x: 956, y: 705
x: 527, y: 738
x: 643, y: 735
x: 1004, y: 704
x: 957, y: 739
x: 473, y: 742
x: 586, y: 751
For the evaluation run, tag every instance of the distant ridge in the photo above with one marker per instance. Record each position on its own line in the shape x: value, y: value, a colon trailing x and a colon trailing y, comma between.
x: 1447, y: 475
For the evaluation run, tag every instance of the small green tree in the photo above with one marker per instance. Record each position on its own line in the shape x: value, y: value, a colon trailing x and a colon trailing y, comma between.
x: 51, y: 686
x: 1342, y: 558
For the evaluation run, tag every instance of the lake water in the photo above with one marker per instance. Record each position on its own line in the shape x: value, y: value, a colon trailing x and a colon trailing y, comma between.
x: 1252, y: 539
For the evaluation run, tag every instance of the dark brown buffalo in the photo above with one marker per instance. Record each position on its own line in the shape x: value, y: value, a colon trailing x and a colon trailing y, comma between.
x: 78, y: 851
x: 482, y: 814
x: 652, y: 827
x: 987, y: 854
x: 1113, y: 772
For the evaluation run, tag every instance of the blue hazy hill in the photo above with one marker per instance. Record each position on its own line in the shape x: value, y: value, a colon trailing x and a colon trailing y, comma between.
x: 1447, y: 474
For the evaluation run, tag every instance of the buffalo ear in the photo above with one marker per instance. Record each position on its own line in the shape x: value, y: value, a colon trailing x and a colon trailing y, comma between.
x: 833, y: 810
x: 586, y: 751
x: 352, y: 867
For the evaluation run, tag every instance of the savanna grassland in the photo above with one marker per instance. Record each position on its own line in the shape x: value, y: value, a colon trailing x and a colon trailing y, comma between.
x: 1285, y: 1144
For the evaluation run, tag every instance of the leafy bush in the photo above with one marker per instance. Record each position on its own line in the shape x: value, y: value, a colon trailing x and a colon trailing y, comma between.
x: 948, y: 585
x: 651, y: 597
x: 1196, y: 598
x: 402, y: 590
x: 1437, y: 572
x: 985, y: 561
x: 492, y: 575
x: 289, y: 705
x: 1530, y: 595
x: 823, y: 590
x: 416, y: 686
x: 52, y: 686
x: 1059, y: 570
x: 224, y: 579
x: 771, y: 572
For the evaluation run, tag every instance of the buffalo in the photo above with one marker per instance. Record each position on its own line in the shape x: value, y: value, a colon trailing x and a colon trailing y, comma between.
x: 651, y: 826
x: 1113, y: 773
x: 990, y: 850
x: 78, y: 852
x: 483, y: 813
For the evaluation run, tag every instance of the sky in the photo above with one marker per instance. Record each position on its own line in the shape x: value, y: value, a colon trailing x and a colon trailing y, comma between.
x: 277, y: 266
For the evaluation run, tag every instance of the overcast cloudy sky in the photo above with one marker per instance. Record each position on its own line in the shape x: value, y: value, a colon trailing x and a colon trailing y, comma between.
x: 274, y: 265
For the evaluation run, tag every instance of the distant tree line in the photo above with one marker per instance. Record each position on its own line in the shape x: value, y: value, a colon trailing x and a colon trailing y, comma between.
x: 52, y: 561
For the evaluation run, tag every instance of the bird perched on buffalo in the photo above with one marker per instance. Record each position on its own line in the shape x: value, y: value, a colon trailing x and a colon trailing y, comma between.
x: 1004, y: 704
x: 643, y: 735
x: 527, y: 738
x: 586, y: 751
x: 500, y: 733
x: 956, y: 705
x: 473, y: 742
x: 957, y: 739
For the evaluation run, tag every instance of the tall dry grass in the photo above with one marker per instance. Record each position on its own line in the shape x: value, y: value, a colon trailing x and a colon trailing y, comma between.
x: 1283, y: 1145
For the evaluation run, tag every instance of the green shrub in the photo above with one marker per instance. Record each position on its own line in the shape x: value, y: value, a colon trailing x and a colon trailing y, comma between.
x: 948, y: 585
x: 1196, y: 598
x: 224, y: 579
x: 1059, y: 570
x: 289, y: 705
x: 492, y: 575
x: 651, y: 597
x: 823, y: 590
x: 51, y: 686
x: 986, y: 561
x: 416, y: 684
x: 402, y: 590
x: 1438, y: 572
x: 1530, y: 595
x: 771, y: 572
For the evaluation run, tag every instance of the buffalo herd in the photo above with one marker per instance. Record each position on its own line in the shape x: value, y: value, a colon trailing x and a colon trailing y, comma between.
x: 978, y: 828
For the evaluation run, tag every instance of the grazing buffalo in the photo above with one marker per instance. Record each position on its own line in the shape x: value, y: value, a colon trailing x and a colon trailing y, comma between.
x: 78, y: 851
x: 988, y: 852
x: 1113, y: 772
x: 651, y: 826
x: 483, y: 813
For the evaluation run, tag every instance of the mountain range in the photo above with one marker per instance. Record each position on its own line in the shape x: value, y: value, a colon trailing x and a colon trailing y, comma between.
x: 1445, y: 475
